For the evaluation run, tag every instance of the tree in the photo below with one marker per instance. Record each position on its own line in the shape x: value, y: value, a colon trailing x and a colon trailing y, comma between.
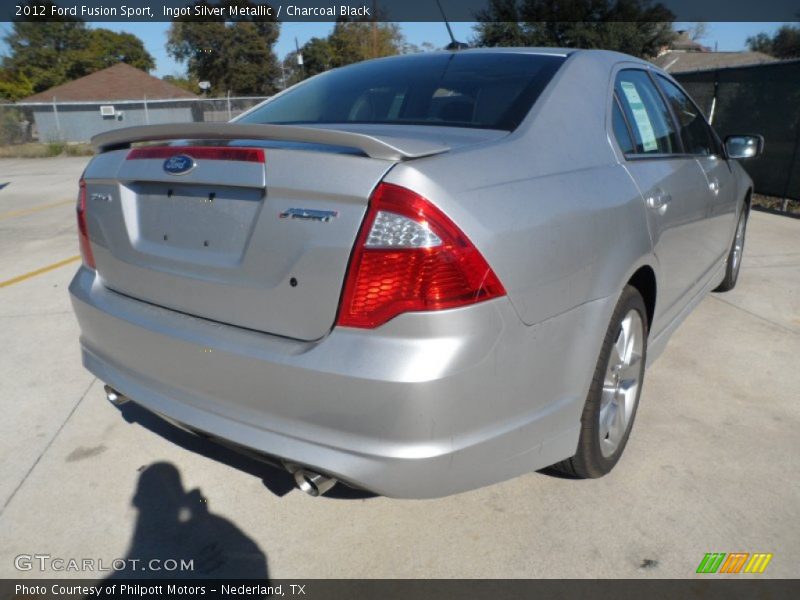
x: 234, y: 56
x: 316, y: 54
x: 354, y: 41
x: 349, y: 42
x: 761, y: 42
x: 107, y: 48
x: 698, y: 31
x: 14, y: 86
x: 44, y: 51
x: 185, y: 83
x: 635, y: 27
x: 48, y: 53
x: 409, y: 48
x: 784, y: 44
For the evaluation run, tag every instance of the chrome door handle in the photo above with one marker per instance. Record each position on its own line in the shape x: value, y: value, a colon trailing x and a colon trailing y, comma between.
x: 659, y: 201
x: 713, y: 185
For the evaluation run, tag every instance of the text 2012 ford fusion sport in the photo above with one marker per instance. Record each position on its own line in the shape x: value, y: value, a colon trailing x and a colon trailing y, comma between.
x: 416, y: 275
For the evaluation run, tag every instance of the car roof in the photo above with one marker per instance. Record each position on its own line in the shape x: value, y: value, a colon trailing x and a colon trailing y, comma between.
x: 598, y: 57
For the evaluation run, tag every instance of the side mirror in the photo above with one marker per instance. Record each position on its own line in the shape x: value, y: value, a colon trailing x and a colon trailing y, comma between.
x: 744, y: 146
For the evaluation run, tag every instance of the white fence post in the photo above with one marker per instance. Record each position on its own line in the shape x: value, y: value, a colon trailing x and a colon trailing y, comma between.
x: 146, y: 114
x: 55, y: 114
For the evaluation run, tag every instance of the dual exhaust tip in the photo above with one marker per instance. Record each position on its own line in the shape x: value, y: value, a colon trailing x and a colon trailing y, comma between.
x: 114, y: 396
x: 312, y: 483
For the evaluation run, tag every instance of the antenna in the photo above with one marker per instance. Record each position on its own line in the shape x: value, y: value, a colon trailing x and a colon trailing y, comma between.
x: 453, y: 45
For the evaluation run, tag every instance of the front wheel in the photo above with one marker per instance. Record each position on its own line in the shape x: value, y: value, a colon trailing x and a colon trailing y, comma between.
x: 614, y: 393
x: 734, y: 260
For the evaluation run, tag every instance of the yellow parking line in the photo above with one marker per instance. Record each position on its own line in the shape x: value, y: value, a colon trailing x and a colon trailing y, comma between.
x: 30, y: 274
x: 27, y: 211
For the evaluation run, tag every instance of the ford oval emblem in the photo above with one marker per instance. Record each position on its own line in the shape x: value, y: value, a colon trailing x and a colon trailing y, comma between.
x: 180, y: 164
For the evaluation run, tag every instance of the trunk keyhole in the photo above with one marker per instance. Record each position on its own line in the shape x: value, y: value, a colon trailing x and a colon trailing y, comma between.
x: 293, y: 282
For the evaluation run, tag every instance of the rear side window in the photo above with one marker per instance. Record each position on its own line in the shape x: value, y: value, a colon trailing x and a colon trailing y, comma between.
x: 621, y: 131
x: 487, y: 91
x: 695, y: 132
x: 650, y: 119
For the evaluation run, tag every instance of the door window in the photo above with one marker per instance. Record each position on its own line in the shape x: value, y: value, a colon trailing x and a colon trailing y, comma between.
x: 647, y: 113
x: 695, y: 132
x: 621, y: 131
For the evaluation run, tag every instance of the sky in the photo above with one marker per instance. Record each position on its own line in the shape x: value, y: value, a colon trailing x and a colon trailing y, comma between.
x: 725, y: 36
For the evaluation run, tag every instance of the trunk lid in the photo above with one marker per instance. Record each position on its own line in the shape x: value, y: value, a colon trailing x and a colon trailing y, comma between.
x: 260, y: 245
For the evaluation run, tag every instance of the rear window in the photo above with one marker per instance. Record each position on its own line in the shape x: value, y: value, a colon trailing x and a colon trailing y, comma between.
x: 486, y: 91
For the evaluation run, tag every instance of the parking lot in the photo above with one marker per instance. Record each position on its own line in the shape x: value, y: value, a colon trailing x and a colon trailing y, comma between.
x: 712, y: 465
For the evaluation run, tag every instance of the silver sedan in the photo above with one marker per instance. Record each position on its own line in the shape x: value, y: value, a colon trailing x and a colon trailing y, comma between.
x: 415, y: 275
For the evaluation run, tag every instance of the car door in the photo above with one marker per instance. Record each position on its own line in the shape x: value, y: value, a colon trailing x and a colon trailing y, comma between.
x: 700, y: 141
x: 673, y: 186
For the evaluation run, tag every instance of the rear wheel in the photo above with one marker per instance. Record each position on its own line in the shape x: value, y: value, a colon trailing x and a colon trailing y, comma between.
x: 734, y: 260
x: 614, y: 393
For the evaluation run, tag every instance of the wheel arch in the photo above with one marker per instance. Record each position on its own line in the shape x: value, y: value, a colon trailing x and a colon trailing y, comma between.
x: 644, y: 280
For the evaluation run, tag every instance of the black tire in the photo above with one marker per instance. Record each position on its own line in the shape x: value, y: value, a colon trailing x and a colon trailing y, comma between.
x: 589, y: 462
x: 731, y: 266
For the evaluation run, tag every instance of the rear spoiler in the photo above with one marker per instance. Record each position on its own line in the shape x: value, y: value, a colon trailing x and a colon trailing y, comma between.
x: 383, y: 147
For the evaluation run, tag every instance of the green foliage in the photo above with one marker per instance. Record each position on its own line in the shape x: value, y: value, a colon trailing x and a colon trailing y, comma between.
x: 38, y: 150
x: 14, y: 86
x: 11, y: 131
x: 349, y: 42
x: 761, y: 42
x: 79, y: 150
x: 54, y: 148
x: 107, y: 48
x: 185, y: 83
x: 235, y: 56
x: 635, y: 27
x: 317, y: 56
x: 784, y: 44
x: 354, y: 41
x: 48, y: 53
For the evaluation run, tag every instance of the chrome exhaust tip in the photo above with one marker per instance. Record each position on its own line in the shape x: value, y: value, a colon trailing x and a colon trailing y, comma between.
x: 313, y: 484
x: 114, y: 396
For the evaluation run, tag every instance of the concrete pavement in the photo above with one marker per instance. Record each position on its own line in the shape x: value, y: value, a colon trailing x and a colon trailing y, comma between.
x: 712, y: 464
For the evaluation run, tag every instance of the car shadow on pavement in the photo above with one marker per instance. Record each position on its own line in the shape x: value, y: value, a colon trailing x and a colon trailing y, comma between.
x: 277, y: 481
x: 177, y: 537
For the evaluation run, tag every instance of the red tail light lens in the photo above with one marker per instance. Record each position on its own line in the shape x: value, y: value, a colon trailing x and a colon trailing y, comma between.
x: 83, y: 230
x: 409, y: 256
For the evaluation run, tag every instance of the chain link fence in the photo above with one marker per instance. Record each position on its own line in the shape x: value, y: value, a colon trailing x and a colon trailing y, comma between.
x: 72, y: 122
x: 763, y: 99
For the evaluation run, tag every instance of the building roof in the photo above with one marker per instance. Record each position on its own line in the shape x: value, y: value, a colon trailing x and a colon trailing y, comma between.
x: 679, y: 62
x: 120, y: 82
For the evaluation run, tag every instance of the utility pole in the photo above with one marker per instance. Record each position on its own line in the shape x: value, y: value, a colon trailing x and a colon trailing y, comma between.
x: 374, y: 28
x: 299, y: 57
x: 283, y: 74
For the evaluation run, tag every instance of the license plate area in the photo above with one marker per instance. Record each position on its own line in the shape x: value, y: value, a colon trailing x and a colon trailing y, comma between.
x: 195, y: 223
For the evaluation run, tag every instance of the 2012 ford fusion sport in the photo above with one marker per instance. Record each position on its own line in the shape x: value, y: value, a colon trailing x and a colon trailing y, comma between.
x: 415, y: 275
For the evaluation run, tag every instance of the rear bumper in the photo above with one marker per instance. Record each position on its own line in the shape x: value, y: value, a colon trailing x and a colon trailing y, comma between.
x: 425, y: 406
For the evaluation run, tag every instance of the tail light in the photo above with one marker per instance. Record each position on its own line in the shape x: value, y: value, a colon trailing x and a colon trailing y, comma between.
x: 83, y: 230
x: 409, y: 256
